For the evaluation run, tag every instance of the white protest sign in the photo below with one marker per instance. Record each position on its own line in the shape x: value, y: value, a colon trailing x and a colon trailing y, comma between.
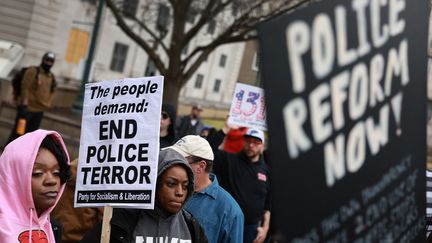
x: 247, y: 107
x: 119, y: 144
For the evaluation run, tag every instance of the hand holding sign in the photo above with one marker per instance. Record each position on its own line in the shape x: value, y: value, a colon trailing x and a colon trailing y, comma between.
x: 228, y: 127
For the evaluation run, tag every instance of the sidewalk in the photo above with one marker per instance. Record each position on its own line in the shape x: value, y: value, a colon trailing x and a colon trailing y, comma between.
x: 62, y: 120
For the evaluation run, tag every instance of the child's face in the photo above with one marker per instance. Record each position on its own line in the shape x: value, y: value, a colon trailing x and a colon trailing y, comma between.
x: 45, y: 180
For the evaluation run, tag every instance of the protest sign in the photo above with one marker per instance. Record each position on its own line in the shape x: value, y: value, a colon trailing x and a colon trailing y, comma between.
x: 346, y: 83
x: 119, y: 144
x: 248, y: 107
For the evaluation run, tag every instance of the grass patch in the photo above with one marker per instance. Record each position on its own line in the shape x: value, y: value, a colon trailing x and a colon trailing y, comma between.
x: 216, y: 123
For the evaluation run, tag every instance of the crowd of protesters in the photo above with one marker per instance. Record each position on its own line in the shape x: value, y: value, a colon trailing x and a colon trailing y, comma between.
x: 211, y: 187
x: 213, y: 201
x: 218, y: 180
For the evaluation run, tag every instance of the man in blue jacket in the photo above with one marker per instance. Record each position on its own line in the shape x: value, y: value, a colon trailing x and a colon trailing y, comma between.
x: 213, y: 207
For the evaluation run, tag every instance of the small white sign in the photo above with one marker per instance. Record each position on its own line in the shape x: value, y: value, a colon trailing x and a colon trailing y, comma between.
x: 119, y: 146
x: 247, y: 107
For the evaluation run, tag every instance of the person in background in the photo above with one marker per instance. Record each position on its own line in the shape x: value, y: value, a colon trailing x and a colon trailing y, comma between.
x: 190, y: 124
x: 215, y: 209
x: 207, y: 131
x: 76, y: 221
x: 167, y: 126
x: 246, y: 177
x: 33, y: 171
x: 37, y: 92
x: 168, y: 220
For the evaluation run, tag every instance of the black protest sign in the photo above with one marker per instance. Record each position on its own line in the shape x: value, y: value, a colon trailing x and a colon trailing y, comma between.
x: 345, y: 84
x: 119, y: 143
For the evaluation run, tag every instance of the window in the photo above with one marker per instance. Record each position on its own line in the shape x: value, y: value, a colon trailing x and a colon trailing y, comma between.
x: 256, y: 66
x: 185, y: 49
x: 216, y: 86
x: 129, y: 8
x: 258, y: 11
x: 150, y: 69
x: 190, y: 17
x: 256, y: 61
x: 198, y: 81
x: 211, y: 27
x: 77, y: 46
x: 222, y: 60
x: 119, y: 57
x: 235, y: 8
x: 163, y: 17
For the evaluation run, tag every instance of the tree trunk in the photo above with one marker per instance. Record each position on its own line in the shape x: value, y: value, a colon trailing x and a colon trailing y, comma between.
x: 171, y: 91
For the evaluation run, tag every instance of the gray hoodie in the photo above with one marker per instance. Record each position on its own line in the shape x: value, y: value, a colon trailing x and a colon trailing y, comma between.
x: 156, y: 225
x: 169, y: 158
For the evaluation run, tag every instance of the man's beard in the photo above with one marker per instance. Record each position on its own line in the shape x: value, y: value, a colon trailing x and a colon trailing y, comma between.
x: 250, y: 153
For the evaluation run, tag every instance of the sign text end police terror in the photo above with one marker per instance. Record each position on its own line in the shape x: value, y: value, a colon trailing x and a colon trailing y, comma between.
x: 121, y: 129
x: 115, y: 130
x: 119, y: 143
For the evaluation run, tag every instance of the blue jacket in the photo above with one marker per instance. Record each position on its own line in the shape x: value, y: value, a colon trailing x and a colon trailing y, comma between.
x: 218, y: 213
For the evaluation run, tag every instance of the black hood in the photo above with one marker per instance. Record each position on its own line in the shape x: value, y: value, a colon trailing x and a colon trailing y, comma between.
x: 170, y: 109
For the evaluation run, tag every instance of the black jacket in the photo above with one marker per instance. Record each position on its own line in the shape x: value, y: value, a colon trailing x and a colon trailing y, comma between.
x: 171, y: 138
x: 184, y: 126
x: 123, y: 224
x: 247, y: 182
x: 57, y: 228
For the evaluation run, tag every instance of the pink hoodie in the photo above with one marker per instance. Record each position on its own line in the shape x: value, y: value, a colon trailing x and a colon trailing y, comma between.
x: 18, y: 217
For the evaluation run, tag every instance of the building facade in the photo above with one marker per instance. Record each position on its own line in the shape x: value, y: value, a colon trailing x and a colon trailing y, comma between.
x: 65, y: 27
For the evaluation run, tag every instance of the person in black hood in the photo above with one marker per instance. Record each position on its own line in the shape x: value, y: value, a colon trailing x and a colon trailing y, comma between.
x: 168, y: 220
x: 47, y: 61
x: 167, y: 123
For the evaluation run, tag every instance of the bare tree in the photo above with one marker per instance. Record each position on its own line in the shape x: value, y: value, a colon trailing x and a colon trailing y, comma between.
x: 163, y: 29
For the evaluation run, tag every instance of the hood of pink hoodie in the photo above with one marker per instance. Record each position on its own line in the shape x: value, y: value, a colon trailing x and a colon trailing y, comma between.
x: 17, y: 211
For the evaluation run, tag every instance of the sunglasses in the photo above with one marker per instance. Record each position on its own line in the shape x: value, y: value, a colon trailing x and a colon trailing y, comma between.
x: 165, y: 115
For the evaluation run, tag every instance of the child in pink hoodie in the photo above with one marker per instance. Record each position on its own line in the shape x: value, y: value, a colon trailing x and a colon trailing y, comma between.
x: 33, y: 172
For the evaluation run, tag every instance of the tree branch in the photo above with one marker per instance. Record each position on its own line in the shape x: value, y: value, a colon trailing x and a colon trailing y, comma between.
x: 205, y: 16
x: 206, y: 50
x: 129, y: 32
x: 189, y: 72
x: 231, y: 29
x: 151, y: 33
x: 243, y: 25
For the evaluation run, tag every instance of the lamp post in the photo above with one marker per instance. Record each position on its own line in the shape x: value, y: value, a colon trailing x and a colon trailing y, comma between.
x: 78, y: 105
